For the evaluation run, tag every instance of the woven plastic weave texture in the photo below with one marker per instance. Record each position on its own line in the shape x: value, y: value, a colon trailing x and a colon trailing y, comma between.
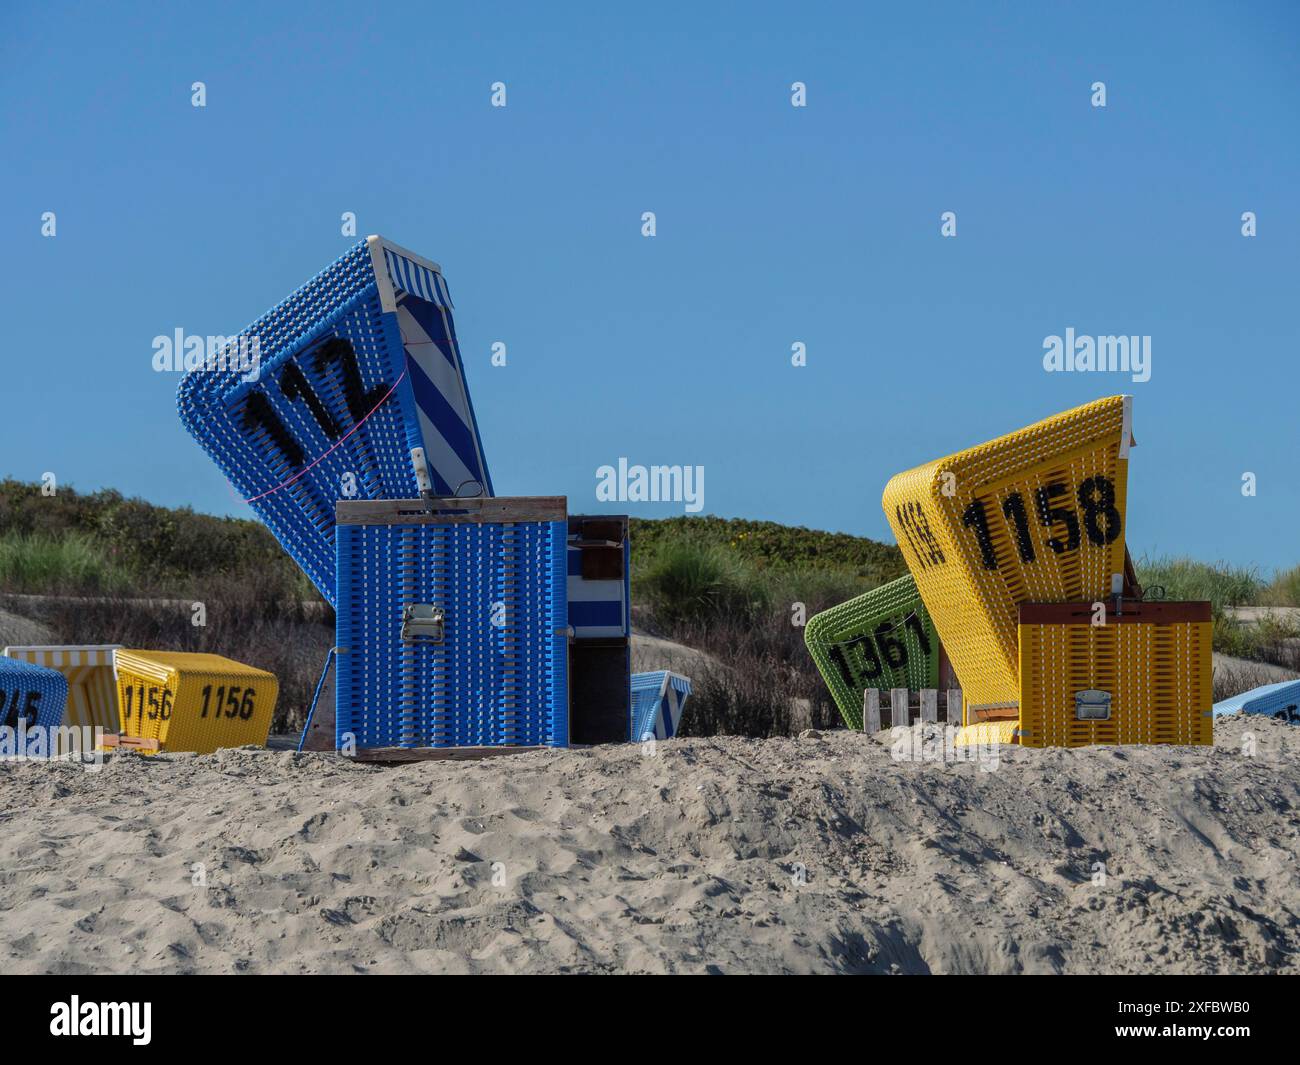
x: 1280, y: 701
x: 346, y: 393
x: 1037, y: 515
x: 92, y: 687
x: 194, y: 702
x: 31, y: 695
x: 658, y: 699
x: 497, y: 677
x: 1157, y: 678
x: 883, y: 638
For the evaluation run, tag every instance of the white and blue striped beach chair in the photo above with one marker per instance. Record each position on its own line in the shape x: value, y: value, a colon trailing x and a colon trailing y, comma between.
x: 658, y: 699
x: 359, y: 393
x: 1280, y: 701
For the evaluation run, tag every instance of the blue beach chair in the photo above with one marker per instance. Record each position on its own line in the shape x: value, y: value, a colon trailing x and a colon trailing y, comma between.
x: 658, y: 699
x: 31, y: 697
x: 1280, y: 701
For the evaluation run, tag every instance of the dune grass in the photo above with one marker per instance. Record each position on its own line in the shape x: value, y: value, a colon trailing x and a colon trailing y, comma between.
x: 73, y: 563
x: 100, y: 542
x: 686, y: 582
x: 749, y: 617
x: 1283, y: 589
x: 769, y: 547
x: 1222, y: 584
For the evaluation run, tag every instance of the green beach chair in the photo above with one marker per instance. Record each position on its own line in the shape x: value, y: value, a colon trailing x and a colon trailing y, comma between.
x: 881, y: 639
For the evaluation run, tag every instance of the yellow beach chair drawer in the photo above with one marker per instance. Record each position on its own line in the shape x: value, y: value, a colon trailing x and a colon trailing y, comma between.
x: 193, y: 702
x: 1143, y: 676
x: 1039, y: 514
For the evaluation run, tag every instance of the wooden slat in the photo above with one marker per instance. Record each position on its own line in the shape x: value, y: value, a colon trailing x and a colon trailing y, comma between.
x: 1160, y: 612
x: 871, y: 710
x: 436, y: 754
x: 898, y: 715
x: 320, y: 734
x: 930, y: 705
x: 994, y: 712
x: 443, y: 511
x: 954, y: 706
x: 606, y: 527
x: 134, y: 743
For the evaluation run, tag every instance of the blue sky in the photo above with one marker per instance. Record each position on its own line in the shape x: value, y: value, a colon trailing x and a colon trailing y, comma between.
x: 775, y: 225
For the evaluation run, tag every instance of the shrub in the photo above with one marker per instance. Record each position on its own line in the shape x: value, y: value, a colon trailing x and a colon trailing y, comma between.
x: 756, y: 695
x: 766, y: 683
x: 816, y: 589
x: 1233, y: 680
x: 1270, y: 639
x: 24, y: 509
x: 686, y: 583
x: 156, y: 550
x: 769, y: 546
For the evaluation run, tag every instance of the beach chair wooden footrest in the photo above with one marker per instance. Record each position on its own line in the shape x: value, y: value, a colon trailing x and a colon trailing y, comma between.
x: 129, y: 743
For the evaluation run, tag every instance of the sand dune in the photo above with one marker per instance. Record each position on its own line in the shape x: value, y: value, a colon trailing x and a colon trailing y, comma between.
x: 818, y: 854
x: 1241, y: 674
x: 21, y: 631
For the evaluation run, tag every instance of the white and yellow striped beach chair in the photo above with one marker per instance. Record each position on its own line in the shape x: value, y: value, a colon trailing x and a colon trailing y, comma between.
x: 92, y: 681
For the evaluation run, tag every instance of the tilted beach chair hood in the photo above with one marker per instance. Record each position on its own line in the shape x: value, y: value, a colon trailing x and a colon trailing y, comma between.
x: 356, y: 391
x: 1035, y: 515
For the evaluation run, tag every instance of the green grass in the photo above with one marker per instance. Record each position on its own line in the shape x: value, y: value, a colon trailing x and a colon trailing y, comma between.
x: 686, y: 582
x: 818, y: 589
x: 141, y: 549
x: 1184, y: 578
x: 749, y: 617
x: 1268, y: 640
x: 38, y: 564
x: 769, y: 546
x: 1271, y: 639
x: 1283, y: 590
x: 691, y: 582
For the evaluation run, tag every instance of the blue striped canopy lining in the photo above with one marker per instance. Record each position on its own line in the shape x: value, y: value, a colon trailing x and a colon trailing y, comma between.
x: 597, y: 608
x: 447, y: 426
x: 418, y: 280
x: 484, y: 684
x: 268, y: 437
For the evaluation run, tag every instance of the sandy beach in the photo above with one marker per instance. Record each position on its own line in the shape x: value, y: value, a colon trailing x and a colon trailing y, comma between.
x: 823, y: 853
